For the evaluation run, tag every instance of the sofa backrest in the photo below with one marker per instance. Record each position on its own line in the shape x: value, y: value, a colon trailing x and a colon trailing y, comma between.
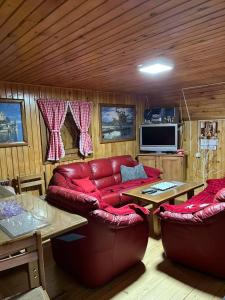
x: 103, y: 172
x: 74, y: 170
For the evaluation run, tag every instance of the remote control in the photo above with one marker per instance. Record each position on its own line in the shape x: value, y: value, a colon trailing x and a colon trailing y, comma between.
x: 148, y: 191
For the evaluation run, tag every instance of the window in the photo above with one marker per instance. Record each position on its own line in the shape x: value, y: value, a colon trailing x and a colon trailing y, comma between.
x: 70, y: 136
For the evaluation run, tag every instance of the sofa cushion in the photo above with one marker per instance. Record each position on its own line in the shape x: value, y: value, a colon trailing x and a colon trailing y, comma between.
x: 104, y: 182
x: 114, y: 194
x: 100, y: 168
x: 130, y: 173
x: 85, y: 185
x: 74, y: 170
x: 125, y: 160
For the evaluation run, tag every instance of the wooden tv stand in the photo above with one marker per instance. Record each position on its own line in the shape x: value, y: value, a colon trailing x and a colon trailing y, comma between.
x: 173, y: 166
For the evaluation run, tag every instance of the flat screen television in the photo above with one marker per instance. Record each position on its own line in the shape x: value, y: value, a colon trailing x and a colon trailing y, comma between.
x: 159, y: 137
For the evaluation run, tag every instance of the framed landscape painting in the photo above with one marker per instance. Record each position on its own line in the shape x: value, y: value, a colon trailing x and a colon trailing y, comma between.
x: 117, y: 123
x: 12, y: 123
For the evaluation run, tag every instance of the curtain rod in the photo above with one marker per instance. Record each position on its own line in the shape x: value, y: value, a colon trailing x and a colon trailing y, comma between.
x: 39, y: 98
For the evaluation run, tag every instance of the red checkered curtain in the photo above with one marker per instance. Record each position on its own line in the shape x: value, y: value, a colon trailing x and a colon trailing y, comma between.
x: 54, y: 113
x: 81, y: 112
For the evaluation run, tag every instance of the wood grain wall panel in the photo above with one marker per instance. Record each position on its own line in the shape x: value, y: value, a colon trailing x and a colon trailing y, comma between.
x: 27, y: 160
x: 206, y: 103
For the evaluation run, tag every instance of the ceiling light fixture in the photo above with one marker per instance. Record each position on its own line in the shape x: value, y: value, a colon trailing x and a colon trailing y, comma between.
x: 155, y: 68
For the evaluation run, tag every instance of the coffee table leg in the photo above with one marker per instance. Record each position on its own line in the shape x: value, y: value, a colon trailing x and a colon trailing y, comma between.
x: 156, y: 222
x: 172, y: 201
x: 190, y: 193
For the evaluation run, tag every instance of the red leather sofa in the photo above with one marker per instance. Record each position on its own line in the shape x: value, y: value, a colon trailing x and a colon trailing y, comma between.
x: 116, y: 235
x: 195, y: 238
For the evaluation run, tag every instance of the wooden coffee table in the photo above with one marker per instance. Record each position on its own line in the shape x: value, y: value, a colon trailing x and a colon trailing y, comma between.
x: 166, y: 196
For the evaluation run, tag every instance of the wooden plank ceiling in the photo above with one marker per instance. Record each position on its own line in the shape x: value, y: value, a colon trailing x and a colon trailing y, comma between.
x: 98, y: 44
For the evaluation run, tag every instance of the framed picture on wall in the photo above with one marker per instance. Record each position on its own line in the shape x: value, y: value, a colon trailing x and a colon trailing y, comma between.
x: 117, y: 123
x: 12, y: 123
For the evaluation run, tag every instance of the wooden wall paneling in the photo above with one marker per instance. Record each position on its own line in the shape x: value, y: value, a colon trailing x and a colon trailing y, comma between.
x: 27, y: 160
x: 16, y: 94
x: 31, y: 153
x: 21, y: 95
x: 8, y: 152
x: 3, y: 166
x: 211, y: 163
x: 10, y: 160
x: 38, y: 93
x: 221, y: 154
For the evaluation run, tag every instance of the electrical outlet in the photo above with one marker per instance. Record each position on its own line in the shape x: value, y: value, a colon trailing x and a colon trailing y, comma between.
x: 197, y: 154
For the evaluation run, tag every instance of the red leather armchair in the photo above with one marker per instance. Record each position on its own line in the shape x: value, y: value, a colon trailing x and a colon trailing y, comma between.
x: 196, y: 239
x: 106, y: 246
x: 114, y: 238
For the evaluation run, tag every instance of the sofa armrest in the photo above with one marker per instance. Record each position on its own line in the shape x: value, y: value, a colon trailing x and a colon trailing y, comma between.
x: 117, y: 221
x: 179, y: 217
x: 211, y: 210
x: 70, y: 200
x: 199, y: 217
x: 152, y: 172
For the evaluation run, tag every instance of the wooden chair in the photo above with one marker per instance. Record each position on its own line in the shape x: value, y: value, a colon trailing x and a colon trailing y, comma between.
x: 31, y: 181
x: 21, y: 251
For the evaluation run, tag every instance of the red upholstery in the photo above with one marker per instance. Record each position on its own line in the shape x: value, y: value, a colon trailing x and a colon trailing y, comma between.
x: 84, y: 184
x: 103, y: 252
x: 74, y: 170
x: 72, y: 201
x: 195, y: 239
x: 112, y: 240
x: 105, y: 174
x: 220, y: 195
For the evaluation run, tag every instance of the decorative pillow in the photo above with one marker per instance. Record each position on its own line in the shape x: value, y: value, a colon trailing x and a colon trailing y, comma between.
x: 220, y: 195
x: 152, y: 172
x: 85, y: 185
x: 131, y: 173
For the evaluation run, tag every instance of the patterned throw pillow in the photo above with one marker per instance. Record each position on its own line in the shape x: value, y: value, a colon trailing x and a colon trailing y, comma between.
x: 220, y: 195
x: 131, y: 173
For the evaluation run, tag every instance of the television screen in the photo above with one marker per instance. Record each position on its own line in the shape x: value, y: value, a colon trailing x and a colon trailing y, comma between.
x: 158, y: 137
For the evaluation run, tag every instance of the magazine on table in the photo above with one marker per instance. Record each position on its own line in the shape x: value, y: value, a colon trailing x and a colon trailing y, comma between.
x: 21, y: 224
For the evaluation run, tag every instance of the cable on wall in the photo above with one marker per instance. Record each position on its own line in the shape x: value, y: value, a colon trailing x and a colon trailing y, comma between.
x: 189, y: 119
x: 181, y: 127
x: 205, y: 174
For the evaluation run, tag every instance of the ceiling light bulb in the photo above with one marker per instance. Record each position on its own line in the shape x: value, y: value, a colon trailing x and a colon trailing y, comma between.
x: 156, y: 68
